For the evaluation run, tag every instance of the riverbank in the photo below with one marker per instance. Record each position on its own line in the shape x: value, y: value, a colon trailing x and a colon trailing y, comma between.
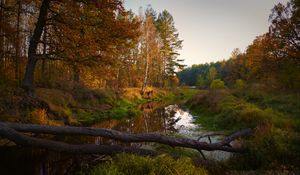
x: 274, y: 118
x: 78, y: 105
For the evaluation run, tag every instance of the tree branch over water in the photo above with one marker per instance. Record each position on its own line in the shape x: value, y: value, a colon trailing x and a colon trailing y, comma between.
x: 12, y: 131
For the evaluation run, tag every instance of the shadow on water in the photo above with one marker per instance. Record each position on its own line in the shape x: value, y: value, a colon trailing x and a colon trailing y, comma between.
x: 156, y: 117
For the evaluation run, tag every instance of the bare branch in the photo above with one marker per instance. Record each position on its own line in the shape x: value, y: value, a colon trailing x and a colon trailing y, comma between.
x: 128, y: 137
x: 21, y: 139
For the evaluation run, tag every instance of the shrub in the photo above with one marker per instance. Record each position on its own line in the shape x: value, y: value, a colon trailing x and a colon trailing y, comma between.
x: 239, y: 84
x: 217, y: 84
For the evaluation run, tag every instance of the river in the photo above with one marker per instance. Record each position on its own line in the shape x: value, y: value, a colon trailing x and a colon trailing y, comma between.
x: 165, y: 119
x: 171, y: 119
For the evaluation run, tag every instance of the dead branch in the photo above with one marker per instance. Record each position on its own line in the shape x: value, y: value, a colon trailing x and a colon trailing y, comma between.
x: 209, y: 136
x: 128, y: 137
x: 24, y: 140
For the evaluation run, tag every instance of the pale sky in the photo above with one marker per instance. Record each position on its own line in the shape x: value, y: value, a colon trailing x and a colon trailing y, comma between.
x: 211, y: 29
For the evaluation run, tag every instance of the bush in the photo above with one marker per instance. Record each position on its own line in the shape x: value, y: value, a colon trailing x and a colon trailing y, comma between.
x: 239, y: 84
x: 217, y: 84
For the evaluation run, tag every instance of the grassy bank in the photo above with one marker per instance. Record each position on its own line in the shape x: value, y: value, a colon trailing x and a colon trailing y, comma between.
x: 78, y: 105
x: 275, y: 144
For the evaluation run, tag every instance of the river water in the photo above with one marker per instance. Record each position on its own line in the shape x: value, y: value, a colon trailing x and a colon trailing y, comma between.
x: 166, y: 119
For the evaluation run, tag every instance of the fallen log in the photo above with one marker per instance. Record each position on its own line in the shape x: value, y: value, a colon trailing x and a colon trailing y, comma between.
x: 223, y: 145
x: 24, y: 140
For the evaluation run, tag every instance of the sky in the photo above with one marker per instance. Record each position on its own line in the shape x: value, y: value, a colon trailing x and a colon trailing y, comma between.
x: 211, y: 29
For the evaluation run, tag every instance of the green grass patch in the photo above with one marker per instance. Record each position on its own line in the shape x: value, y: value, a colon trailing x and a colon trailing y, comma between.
x: 124, y: 164
x: 288, y: 104
x: 121, y: 108
x: 233, y: 113
x: 124, y: 108
x: 275, y: 144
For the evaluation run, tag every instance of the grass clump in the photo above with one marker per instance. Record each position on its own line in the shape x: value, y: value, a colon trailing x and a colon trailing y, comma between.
x: 124, y: 164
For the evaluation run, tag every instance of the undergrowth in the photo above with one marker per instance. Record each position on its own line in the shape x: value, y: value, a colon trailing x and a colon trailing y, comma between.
x: 275, y: 144
x: 124, y: 164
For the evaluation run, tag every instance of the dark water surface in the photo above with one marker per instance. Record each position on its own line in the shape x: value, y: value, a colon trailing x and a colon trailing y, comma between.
x: 161, y: 118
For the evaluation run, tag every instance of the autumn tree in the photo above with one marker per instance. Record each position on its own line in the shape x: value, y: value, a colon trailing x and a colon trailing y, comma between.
x: 285, y: 30
x: 149, y: 50
x: 81, y: 34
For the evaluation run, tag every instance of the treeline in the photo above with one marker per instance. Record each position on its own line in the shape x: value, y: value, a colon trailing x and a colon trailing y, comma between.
x: 272, y: 61
x: 96, y: 43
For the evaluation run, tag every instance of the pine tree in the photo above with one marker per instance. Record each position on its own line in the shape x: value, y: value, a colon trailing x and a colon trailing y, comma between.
x: 170, y: 44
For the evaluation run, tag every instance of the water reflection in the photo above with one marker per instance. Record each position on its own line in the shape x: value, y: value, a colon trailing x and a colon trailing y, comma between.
x: 164, y: 119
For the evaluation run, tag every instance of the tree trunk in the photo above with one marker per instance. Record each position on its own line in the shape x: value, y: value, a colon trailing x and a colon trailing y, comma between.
x: 32, y: 60
x: 76, y: 73
x: 17, y: 59
x: 44, y: 55
x: 147, y: 67
x: 2, y: 50
x: 24, y: 140
x: 223, y: 145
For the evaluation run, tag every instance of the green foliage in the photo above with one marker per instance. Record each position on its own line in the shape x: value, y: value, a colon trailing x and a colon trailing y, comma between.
x: 212, y: 73
x: 170, y: 42
x: 200, y: 81
x: 231, y: 113
x: 124, y: 164
x: 189, y: 75
x: 271, y: 148
x: 288, y: 104
x: 275, y: 144
x: 239, y: 84
x: 217, y: 84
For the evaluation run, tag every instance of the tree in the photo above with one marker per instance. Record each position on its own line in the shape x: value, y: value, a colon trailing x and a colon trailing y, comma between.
x: 212, y: 73
x: 285, y: 30
x: 150, y: 49
x: 33, y: 44
x: 80, y: 34
x: 200, y: 81
x: 170, y: 44
x: 217, y: 84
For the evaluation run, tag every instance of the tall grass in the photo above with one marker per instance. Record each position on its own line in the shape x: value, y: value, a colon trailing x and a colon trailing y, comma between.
x: 124, y: 164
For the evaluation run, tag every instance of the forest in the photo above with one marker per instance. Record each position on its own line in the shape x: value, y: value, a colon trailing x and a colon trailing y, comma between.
x: 90, y: 87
